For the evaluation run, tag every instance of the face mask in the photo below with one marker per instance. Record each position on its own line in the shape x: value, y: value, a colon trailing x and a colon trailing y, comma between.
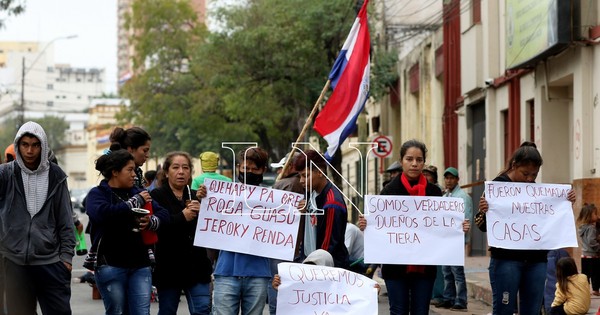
x: 250, y: 178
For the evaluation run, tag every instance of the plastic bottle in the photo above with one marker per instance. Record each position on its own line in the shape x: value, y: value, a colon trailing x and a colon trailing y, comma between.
x: 80, y: 245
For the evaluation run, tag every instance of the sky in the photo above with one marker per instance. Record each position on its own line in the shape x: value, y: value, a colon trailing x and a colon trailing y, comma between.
x: 93, y: 21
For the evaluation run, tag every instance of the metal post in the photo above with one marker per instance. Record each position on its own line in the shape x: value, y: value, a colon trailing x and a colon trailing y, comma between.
x: 21, y: 118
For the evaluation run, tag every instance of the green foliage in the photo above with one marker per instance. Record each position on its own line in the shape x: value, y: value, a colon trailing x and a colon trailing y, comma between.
x: 55, y: 128
x: 255, y: 79
x: 11, y: 7
x: 8, y: 130
x: 384, y: 73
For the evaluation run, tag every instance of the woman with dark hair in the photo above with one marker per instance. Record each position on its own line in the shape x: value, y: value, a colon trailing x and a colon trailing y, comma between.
x: 515, y: 272
x: 123, y: 273
x: 410, y: 286
x: 137, y: 142
x: 180, y: 266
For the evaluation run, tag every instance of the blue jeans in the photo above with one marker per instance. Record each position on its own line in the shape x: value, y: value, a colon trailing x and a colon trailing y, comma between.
x: 271, y: 292
x: 438, y: 285
x: 198, y: 298
x: 231, y: 293
x: 455, y: 285
x: 125, y: 290
x: 509, y: 277
x: 410, y: 295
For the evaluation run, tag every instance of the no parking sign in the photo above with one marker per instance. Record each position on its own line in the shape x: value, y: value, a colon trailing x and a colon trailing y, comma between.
x: 382, y: 148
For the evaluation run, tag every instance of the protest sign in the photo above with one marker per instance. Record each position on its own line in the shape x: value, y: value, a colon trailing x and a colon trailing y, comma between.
x: 248, y: 219
x: 414, y: 230
x: 529, y: 216
x: 310, y: 290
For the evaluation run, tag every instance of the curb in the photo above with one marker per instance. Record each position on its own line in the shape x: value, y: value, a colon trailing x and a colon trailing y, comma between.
x: 480, y: 291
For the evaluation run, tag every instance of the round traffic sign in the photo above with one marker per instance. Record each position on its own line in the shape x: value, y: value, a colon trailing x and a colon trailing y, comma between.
x: 382, y: 146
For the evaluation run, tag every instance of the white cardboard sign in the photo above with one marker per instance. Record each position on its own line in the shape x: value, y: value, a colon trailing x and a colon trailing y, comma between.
x: 248, y: 219
x: 414, y: 230
x: 310, y: 290
x: 529, y: 216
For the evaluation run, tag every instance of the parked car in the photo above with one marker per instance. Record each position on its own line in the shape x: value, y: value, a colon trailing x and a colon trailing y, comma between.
x: 77, y: 197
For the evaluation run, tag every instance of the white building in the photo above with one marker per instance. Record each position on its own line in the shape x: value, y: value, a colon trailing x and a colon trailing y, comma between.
x: 48, y: 88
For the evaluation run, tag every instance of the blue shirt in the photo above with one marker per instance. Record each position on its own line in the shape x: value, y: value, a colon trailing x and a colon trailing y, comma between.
x: 231, y: 264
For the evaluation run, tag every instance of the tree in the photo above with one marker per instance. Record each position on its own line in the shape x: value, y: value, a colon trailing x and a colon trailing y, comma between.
x: 254, y: 79
x: 55, y: 128
x: 11, y: 7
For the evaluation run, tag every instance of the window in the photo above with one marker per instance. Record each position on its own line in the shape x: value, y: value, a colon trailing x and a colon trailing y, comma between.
x: 414, y: 77
x: 50, y: 69
x: 506, y: 127
x: 375, y: 123
x: 531, y: 108
x: 50, y: 103
x: 476, y: 11
x: 50, y: 86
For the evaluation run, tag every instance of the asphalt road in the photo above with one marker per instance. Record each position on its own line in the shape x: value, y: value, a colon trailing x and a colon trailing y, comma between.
x: 83, y: 304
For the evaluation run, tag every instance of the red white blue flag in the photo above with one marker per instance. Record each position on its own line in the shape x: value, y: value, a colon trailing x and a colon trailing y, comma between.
x: 350, y: 82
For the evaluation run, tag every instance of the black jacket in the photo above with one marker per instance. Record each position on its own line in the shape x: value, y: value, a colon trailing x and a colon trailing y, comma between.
x: 46, y: 238
x: 529, y: 255
x: 395, y: 187
x: 179, y: 263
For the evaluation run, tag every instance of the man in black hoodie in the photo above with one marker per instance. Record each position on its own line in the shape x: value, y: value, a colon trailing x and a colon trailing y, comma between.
x: 36, y: 228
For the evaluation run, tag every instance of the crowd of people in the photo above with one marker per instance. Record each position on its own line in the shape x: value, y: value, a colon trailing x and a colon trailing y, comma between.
x: 142, y: 229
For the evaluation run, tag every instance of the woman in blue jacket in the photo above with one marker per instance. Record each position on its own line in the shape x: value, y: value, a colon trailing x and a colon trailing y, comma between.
x: 123, y: 266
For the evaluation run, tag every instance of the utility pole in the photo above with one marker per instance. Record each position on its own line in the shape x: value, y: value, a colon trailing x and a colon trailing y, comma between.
x: 21, y: 118
x: 21, y: 114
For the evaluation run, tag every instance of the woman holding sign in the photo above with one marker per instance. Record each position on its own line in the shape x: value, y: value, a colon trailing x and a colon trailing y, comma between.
x: 409, y: 286
x: 180, y: 266
x: 512, y: 271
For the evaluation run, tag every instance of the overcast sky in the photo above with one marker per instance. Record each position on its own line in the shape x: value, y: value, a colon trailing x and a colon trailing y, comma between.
x: 93, y: 21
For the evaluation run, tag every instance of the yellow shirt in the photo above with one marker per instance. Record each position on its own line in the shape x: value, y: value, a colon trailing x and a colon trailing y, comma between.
x: 577, y: 300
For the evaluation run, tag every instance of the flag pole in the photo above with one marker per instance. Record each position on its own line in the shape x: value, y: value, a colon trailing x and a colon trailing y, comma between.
x: 306, y: 124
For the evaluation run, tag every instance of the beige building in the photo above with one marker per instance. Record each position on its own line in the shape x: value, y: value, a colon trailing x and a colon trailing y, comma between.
x: 536, y: 94
x: 125, y: 49
x: 529, y: 72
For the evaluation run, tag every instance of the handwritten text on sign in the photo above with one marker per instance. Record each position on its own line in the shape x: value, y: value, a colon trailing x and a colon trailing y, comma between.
x: 414, y: 230
x: 529, y: 216
x: 310, y: 289
x: 248, y: 219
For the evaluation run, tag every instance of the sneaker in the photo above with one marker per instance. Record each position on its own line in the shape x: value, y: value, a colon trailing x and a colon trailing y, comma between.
x: 458, y: 308
x: 434, y: 302
x: 445, y: 304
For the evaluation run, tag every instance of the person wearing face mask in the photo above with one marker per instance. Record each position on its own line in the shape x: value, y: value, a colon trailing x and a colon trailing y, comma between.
x: 517, y: 273
x: 241, y: 280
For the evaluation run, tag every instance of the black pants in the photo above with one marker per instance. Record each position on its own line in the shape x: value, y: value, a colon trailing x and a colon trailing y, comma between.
x: 591, y: 268
x: 558, y: 310
x: 50, y: 285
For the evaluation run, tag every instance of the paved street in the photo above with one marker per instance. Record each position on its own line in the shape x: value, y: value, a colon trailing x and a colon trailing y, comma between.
x: 83, y: 304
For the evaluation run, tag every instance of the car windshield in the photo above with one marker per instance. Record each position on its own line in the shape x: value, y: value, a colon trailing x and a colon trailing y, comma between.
x: 78, y: 192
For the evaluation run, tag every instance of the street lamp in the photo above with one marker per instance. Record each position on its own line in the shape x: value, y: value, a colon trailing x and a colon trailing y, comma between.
x: 25, y: 71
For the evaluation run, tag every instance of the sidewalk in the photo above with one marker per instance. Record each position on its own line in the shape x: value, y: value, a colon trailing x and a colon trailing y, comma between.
x: 478, y: 282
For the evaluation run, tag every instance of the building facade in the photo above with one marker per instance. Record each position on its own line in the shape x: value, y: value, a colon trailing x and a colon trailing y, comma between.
x: 34, y: 85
